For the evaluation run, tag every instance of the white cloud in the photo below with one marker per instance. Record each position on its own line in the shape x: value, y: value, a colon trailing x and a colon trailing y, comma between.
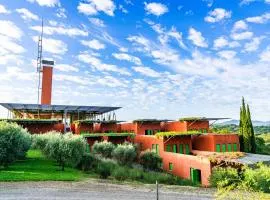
x: 217, y: 15
x: 111, y: 81
x: 26, y: 14
x: 240, y: 25
x: 53, y: 46
x: 227, y: 54
x: 61, y: 13
x: 61, y: 30
x: 48, y: 3
x: 259, y: 19
x: 222, y: 42
x: 93, y: 44
x: 9, y: 29
x: 9, y: 45
x: 242, y: 36
x: 97, y: 22
x: 157, y: 9
x: 127, y: 57
x: 146, y: 71
x: 66, y: 68
x: 3, y: 9
x: 95, y: 6
x: 96, y: 63
x: 71, y: 78
x: 265, y: 55
x: 197, y: 38
x: 253, y: 45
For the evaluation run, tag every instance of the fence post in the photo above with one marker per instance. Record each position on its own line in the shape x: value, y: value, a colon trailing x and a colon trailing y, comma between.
x: 157, y: 189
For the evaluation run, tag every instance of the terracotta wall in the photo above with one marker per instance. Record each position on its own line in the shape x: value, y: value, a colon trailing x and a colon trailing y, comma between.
x: 174, y: 126
x: 179, y: 140
x: 39, y: 128
x: 127, y: 127
x: 87, y: 128
x: 198, y: 125
x: 46, y: 92
x: 141, y: 127
x: 181, y: 162
x: 208, y: 142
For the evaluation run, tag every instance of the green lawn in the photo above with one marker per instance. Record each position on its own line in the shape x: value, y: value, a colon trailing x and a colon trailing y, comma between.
x: 38, y: 168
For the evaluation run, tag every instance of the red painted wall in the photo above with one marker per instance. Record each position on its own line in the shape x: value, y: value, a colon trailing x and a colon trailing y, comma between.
x: 39, y: 128
x: 127, y: 127
x: 84, y: 128
x: 174, y: 126
x: 46, y: 93
x: 198, y: 125
x: 140, y: 127
x: 208, y: 142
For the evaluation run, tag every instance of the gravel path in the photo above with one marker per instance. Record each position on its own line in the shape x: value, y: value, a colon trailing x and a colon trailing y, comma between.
x: 97, y: 190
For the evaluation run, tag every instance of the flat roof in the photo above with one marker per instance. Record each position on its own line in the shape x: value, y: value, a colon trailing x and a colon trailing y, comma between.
x: 39, y: 108
x: 202, y: 118
x: 151, y: 120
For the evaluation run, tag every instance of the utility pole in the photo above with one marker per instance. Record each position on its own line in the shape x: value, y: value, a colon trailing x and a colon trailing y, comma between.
x: 39, y: 60
x: 157, y: 189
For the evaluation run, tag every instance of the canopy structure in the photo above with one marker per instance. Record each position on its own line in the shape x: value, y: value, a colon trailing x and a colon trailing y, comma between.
x: 191, y: 119
x: 59, y: 109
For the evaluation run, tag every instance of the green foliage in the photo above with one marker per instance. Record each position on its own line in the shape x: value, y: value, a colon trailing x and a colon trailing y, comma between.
x: 150, y: 160
x: 121, y: 173
x: 125, y: 154
x: 87, y: 134
x: 174, y: 133
x: 104, y: 148
x: 232, y: 128
x: 261, y: 146
x: 14, y: 142
x: 88, y: 162
x: 65, y: 149
x: 246, y: 131
x: 104, y: 169
x: 257, y: 179
x: 224, y: 177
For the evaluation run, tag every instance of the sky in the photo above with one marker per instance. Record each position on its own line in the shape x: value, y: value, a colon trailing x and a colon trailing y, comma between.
x: 155, y: 59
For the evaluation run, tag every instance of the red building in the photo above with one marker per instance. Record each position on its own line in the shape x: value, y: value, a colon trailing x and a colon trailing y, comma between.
x: 181, y: 147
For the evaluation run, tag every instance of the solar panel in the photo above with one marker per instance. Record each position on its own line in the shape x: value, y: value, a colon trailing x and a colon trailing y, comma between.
x: 57, y: 108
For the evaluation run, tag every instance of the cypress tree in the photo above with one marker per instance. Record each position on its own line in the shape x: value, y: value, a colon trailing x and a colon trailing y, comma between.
x: 241, y: 131
x: 251, y: 132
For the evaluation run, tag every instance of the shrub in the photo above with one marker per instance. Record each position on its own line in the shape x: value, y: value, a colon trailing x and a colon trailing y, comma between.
x: 65, y: 149
x: 223, y: 177
x: 136, y: 174
x: 121, y: 173
x: 150, y: 160
x: 104, y: 148
x: 125, y: 154
x: 104, y: 169
x: 14, y: 143
x: 88, y: 162
x: 257, y: 179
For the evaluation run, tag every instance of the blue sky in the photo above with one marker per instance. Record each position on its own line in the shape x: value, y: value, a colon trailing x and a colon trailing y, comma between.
x: 156, y: 59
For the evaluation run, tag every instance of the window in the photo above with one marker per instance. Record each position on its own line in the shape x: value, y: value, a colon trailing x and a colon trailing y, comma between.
x: 154, y: 147
x: 217, y: 147
x: 235, y: 147
x: 229, y: 146
x: 181, y: 150
x: 175, y: 148
x: 223, y: 147
x: 168, y: 147
x: 170, y: 166
x: 157, y: 149
x: 187, y: 149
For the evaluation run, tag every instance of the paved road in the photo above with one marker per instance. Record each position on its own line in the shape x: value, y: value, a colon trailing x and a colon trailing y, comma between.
x: 97, y: 190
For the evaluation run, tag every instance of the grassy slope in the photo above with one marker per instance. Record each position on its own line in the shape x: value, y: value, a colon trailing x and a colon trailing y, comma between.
x: 37, y: 168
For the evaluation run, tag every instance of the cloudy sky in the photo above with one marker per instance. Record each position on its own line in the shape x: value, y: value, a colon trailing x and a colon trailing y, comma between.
x: 156, y: 59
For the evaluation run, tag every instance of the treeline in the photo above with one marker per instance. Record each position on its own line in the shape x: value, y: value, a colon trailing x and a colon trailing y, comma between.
x: 232, y: 128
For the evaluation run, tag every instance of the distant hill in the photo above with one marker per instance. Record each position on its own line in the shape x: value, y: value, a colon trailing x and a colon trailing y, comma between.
x: 236, y: 122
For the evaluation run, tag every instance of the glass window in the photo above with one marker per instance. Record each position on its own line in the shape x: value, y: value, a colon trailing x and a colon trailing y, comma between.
x: 217, y: 147
x: 235, y: 147
x: 154, y: 147
x: 175, y: 148
x: 157, y: 149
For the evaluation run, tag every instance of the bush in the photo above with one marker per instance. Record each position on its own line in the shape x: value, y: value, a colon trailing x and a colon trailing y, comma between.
x: 104, y: 169
x: 150, y: 160
x: 125, y: 154
x: 121, y: 173
x: 14, y: 143
x: 223, y: 177
x: 65, y: 149
x: 257, y: 179
x: 104, y: 148
x: 88, y: 162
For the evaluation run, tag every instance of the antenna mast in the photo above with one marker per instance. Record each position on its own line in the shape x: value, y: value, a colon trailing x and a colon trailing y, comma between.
x: 39, y: 61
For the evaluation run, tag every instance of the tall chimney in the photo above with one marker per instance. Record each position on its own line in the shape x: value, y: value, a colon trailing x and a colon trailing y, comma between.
x: 47, y: 72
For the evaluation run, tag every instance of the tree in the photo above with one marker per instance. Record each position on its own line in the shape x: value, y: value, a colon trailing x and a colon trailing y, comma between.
x: 246, y: 131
